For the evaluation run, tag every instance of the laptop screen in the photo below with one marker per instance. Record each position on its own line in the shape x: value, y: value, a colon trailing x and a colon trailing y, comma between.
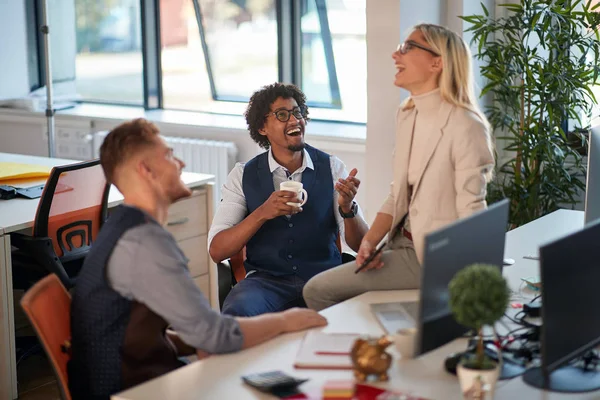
x: 478, y: 238
x: 592, y: 189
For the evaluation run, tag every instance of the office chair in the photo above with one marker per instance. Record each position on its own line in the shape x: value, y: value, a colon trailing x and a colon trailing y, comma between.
x: 232, y: 271
x: 48, y: 307
x: 70, y: 213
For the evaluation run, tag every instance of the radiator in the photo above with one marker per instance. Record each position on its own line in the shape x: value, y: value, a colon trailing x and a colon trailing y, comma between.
x: 204, y: 156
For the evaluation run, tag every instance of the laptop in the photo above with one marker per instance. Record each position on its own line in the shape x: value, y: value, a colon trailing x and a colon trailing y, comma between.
x: 478, y: 238
x: 592, y: 187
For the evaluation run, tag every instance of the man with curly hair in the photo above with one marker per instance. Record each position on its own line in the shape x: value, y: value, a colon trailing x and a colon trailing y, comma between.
x: 135, y: 309
x: 286, y: 245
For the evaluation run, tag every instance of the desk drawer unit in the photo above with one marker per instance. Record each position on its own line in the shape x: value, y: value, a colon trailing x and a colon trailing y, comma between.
x: 203, y: 283
x: 188, y: 217
x: 188, y: 223
x: 196, y: 251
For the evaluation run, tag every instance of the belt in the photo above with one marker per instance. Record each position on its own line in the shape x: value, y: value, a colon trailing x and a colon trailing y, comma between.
x: 407, y: 234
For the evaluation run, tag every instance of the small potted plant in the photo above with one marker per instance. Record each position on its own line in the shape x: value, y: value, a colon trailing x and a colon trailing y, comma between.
x: 479, y: 296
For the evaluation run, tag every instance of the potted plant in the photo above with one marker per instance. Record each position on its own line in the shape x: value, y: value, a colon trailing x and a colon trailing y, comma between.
x: 540, y: 62
x: 479, y: 296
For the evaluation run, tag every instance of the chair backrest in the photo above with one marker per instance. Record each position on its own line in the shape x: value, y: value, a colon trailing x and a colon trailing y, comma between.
x: 237, y: 261
x: 48, y: 306
x: 72, y: 208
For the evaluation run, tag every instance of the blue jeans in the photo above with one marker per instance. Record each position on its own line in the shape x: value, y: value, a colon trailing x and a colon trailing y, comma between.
x: 261, y: 292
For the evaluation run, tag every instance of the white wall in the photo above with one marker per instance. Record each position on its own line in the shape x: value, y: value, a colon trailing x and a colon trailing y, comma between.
x: 386, y: 27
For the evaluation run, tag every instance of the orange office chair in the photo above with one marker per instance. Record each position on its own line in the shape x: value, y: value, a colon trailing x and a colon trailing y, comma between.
x: 48, y: 306
x: 232, y: 271
x: 70, y: 213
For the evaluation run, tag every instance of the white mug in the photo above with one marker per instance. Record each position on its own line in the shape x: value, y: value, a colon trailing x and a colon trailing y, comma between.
x: 294, y: 186
x: 405, y: 341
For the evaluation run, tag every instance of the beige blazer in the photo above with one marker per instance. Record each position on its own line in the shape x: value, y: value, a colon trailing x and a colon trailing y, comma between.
x: 452, y: 182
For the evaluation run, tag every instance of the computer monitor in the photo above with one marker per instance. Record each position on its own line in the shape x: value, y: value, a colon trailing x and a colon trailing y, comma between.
x: 570, y: 272
x: 592, y: 187
x: 478, y: 238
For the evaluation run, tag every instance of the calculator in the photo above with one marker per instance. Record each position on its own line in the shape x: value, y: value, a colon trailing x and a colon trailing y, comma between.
x: 274, y: 382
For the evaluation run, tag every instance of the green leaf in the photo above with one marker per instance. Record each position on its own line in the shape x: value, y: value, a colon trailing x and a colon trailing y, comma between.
x: 554, y: 46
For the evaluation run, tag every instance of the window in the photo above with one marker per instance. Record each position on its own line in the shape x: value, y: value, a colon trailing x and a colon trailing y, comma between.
x: 225, y: 58
x: 108, y: 61
x: 209, y: 55
x: 334, y: 59
x: 61, y: 18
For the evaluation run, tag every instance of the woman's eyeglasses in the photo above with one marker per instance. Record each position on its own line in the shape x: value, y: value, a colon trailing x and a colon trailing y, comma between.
x: 410, y: 44
x: 284, y: 115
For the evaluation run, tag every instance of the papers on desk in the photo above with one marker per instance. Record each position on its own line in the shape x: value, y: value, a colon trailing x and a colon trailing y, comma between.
x: 321, y: 350
x: 10, y: 171
x: 358, y: 391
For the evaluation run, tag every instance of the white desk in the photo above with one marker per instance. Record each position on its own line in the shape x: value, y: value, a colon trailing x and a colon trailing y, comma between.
x: 218, y: 377
x: 17, y: 215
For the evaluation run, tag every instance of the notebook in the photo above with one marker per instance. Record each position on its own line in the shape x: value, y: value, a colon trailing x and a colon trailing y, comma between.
x: 320, y: 350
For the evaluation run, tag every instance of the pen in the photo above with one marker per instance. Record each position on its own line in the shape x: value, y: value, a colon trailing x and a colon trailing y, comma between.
x: 370, y: 258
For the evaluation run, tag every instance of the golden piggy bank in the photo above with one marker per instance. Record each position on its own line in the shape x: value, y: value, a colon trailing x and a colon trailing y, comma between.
x: 369, y: 358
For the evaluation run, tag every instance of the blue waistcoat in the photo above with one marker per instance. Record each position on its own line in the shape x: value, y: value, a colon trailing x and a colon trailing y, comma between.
x: 305, y: 243
x: 115, y: 342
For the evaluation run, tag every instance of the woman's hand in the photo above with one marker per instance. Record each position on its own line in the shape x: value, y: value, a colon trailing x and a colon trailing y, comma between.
x: 366, y: 249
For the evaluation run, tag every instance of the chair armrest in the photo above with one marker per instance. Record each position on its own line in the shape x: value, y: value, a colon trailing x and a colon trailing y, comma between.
x: 226, y: 280
x: 347, y: 257
x: 41, y: 250
x: 19, y: 240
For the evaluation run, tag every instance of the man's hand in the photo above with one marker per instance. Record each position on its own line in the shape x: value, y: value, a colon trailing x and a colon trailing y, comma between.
x: 276, y: 205
x: 347, y: 189
x: 261, y: 328
x: 298, y: 319
x: 365, y: 250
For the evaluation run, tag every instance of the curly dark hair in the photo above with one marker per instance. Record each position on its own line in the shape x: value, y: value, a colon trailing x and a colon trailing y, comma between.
x: 260, y: 105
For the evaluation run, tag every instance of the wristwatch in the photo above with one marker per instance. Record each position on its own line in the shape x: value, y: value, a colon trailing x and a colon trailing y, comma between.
x: 352, y: 213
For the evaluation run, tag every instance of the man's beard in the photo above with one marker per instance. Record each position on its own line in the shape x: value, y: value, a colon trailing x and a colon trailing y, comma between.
x: 296, y: 147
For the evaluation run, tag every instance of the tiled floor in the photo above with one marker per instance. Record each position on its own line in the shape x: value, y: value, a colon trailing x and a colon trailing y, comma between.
x: 36, y: 379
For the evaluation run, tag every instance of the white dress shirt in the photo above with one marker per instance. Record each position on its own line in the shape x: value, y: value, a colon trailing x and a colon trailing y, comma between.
x: 233, y: 209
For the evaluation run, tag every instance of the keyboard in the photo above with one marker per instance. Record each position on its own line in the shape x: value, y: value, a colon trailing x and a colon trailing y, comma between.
x: 395, y: 314
x: 412, y: 309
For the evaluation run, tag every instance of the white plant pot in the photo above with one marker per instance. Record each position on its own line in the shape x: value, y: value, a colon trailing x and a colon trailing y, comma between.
x: 477, y: 384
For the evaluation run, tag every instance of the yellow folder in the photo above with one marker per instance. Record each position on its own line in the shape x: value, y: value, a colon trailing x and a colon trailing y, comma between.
x: 9, y: 171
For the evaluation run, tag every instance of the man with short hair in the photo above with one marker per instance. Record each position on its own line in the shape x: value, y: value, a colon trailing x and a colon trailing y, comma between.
x: 135, y: 282
x: 286, y: 245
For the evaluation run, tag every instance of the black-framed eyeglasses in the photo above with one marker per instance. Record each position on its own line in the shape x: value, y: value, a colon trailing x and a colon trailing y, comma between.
x: 284, y: 115
x: 409, y: 44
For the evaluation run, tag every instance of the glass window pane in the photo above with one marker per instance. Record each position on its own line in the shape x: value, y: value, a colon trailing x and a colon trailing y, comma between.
x: 241, y: 38
x: 185, y: 82
x: 62, y: 45
x: 109, y: 57
x: 346, y: 20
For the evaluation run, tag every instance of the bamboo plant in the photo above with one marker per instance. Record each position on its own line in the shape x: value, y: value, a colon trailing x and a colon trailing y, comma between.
x: 540, y: 63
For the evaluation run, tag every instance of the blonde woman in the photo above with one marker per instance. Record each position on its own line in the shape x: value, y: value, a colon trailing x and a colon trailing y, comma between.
x: 442, y: 164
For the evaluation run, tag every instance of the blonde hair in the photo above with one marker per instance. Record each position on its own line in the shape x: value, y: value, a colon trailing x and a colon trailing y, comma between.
x: 456, y: 81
